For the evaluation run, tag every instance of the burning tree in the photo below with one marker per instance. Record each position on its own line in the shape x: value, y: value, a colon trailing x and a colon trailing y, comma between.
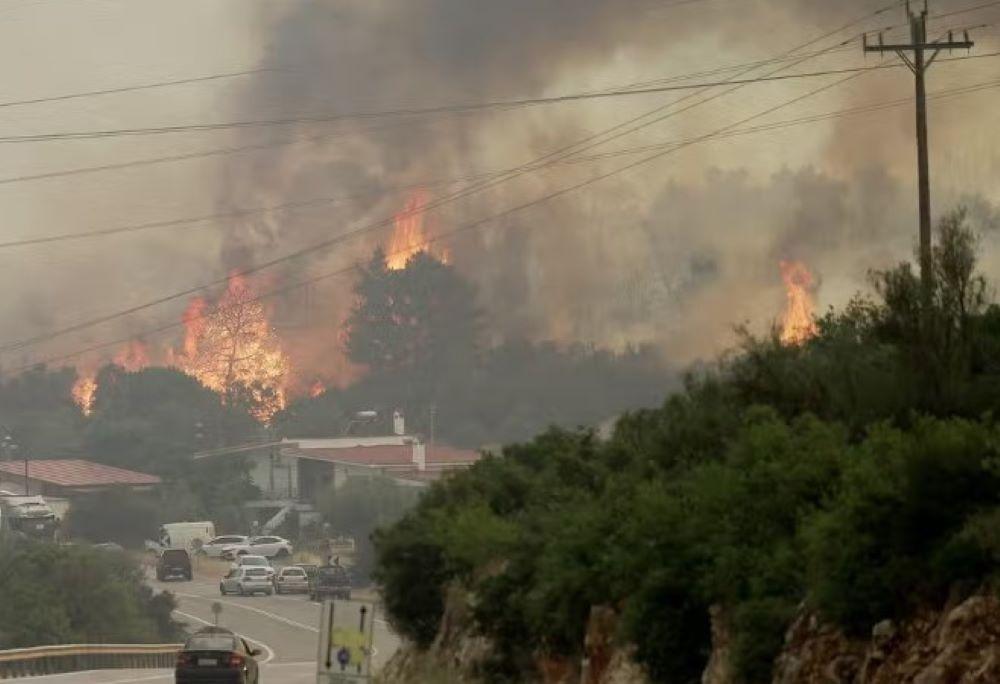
x: 231, y: 348
x: 797, y: 323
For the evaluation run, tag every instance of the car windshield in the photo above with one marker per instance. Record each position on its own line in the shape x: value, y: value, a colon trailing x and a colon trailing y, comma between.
x: 293, y: 572
x: 175, y: 555
x: 257, y: 572
x: 210, y: 642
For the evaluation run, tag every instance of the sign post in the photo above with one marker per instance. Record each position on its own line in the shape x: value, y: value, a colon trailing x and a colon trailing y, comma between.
x: 346, y: 638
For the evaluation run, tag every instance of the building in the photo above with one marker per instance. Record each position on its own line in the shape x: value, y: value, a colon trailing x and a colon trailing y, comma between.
x: 316, y: 464
x: 69, y: 478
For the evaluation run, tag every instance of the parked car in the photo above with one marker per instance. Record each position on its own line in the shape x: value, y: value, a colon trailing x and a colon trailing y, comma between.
x: 330, y: 582
x: 215, y: 654
x: 254, y: 562
x: 173, y: 563
x: 310, y: 569
x: 214, y: 547
x: 291, y: 580
x: 246, y: 580
x: 272, y: 547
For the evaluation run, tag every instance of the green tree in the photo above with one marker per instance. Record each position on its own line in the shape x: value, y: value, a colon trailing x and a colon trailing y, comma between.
x: 420, y: 319
x: 71, y: 594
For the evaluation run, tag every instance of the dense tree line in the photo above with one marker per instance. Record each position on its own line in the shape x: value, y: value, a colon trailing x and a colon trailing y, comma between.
x: 856, y: 473
x: 53, y: 594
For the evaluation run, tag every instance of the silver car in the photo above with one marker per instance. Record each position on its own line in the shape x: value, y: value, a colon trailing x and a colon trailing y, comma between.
x: 291, y: 580
x: 246, y: 581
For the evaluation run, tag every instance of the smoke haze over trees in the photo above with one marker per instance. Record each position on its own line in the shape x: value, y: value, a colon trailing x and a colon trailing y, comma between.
x: 614, y: 266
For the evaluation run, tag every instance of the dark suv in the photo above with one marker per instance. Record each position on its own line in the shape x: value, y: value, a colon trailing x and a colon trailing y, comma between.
x: 173, y: 563
x: 330, y: 581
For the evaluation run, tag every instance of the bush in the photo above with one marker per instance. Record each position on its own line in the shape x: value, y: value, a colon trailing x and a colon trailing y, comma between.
x: 69, y: 594
x: 887, y: 539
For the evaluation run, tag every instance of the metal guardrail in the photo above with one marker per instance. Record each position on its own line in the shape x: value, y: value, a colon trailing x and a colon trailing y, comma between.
x: 42, y: 660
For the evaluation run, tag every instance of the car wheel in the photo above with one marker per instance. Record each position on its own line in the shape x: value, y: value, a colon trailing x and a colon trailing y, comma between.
x: 222, y: 588
x: 242, y: 591
x: 282, y: 553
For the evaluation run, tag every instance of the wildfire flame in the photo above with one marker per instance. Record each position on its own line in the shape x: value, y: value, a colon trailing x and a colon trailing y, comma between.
x: 797, y: 323
x: 83, y: 392
x: 316, y: 389
x: 408, y: 236
x: 231, y: 348
x: 133, y: 357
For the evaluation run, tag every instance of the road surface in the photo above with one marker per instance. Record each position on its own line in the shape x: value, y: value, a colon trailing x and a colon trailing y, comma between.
x: 286, y: 628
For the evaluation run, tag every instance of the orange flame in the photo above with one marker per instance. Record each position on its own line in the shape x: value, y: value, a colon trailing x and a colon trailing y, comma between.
x: 133, y: 357
x: 83, y: 392
x: 408, y: 236
x: 316, y: 389
x: 231, y: 348
x: 798, y: 324
x: 193, y: 319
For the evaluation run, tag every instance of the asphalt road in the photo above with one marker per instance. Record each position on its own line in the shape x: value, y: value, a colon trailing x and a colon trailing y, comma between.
x: 286, y: 628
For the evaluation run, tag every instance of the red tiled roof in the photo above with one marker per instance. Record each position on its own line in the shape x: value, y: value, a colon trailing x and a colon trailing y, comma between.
x: 77, y: 473
x: 446, y: 455
x: 382, y: 455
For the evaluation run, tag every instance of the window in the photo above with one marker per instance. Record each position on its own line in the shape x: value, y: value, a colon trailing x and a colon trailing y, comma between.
x: 294, y: 572
x: 210, y: 642
x: 256, y: 572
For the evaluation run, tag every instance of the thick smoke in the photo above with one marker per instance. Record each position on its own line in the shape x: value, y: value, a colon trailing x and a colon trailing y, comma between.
x: 674, y: 253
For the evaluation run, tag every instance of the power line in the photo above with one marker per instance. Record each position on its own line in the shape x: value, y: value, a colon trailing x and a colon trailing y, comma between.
x: 133, y: 88
x: 417, y: 112
x: 320, y: 201
x: 238, y: 149
x: 434, y: 204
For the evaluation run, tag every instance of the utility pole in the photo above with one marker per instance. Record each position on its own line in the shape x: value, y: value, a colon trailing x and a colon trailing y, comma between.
x: 919, y: 64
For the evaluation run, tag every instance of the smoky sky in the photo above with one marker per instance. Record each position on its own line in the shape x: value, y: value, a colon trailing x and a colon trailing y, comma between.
x: 673, y: 253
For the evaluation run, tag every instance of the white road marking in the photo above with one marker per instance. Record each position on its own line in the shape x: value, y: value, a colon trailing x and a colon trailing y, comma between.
x: 270, y: 651
x: 265, y: 613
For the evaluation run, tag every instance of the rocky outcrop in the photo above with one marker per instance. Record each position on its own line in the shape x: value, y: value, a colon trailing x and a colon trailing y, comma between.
x: 957, y: 645
x: 453, y: 657
x: 717, y: 671
x: 458, y: 653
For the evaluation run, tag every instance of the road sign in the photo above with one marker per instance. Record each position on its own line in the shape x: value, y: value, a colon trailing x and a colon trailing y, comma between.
x: 345, y: 642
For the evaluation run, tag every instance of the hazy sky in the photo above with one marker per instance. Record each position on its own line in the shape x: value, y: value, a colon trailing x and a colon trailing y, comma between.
x: 673, y: 253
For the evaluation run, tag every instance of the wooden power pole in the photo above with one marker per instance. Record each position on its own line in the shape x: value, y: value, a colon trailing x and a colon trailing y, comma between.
x: 919, y: 63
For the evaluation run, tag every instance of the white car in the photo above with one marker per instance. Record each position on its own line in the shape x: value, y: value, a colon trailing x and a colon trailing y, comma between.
x: 248, y: 561
x: 291, y: 580
x: 246, y: 580
x: 271, y: 547
x: 214, y: 547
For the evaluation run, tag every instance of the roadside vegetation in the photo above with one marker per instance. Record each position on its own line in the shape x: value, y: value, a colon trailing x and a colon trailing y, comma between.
x: 857, y: 473
x: 52, y: 594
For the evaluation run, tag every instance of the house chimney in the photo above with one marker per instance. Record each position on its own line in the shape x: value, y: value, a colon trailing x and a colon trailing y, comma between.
x: 398, y: 424
x: 419, y: 456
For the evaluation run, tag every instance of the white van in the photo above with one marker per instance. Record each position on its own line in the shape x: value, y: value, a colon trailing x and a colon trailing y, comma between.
x: 186, y: 535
